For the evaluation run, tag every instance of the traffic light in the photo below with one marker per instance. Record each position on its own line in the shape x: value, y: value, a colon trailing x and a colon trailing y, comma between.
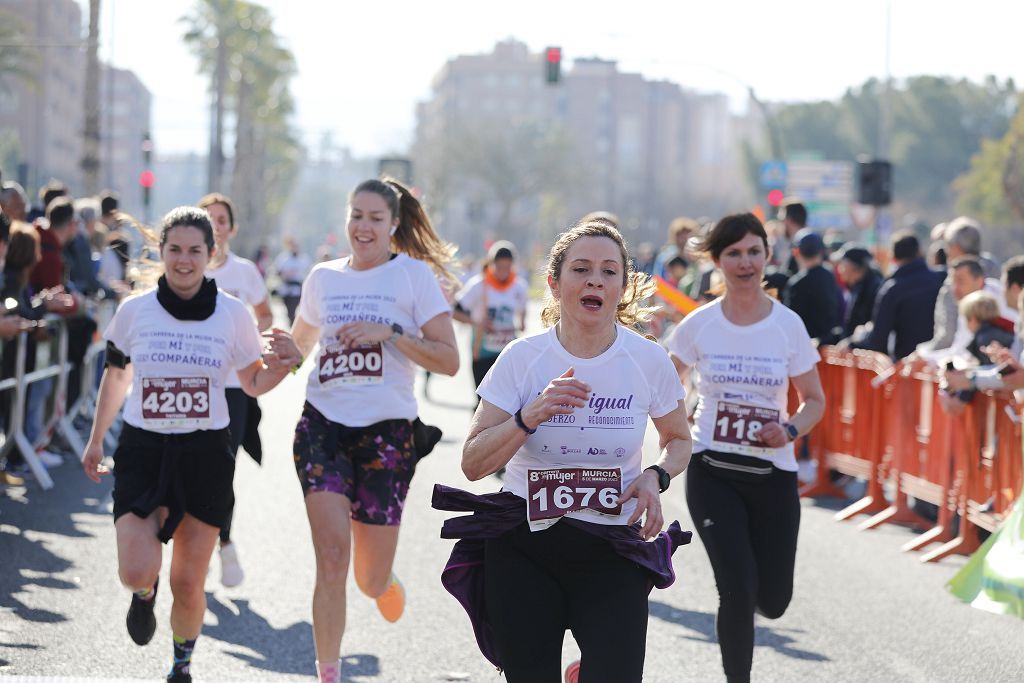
x: 874, y: 182
x: 147, y: 178
x: 553, y: 64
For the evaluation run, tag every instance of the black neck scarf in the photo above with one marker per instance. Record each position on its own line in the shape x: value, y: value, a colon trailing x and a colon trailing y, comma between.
x: 199, y: 307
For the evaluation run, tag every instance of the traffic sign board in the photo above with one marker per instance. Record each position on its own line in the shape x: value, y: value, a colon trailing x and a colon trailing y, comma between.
x: 772, y: 175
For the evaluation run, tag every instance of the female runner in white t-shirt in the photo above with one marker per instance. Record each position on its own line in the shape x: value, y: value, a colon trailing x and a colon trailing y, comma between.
x: 239, y: 278
x: 169, y: 353
x: 376, y: 315
x: 741, y: 485
x: 565, y: 412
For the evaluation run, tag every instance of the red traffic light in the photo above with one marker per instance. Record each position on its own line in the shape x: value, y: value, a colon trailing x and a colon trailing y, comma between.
x: 146, y: 179
x: 775, y: 197
x: 553, y: 55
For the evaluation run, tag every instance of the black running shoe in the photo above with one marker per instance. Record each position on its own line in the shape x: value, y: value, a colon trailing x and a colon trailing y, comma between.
x: 179, y: 678
x: 141, y: 621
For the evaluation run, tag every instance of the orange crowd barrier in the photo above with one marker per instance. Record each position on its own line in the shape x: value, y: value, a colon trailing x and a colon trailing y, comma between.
x: 884, y: 424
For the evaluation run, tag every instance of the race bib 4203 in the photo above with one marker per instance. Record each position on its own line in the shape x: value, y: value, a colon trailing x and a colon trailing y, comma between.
x: 553, y: 493
x: 176, y: 402
x: 363, y: 364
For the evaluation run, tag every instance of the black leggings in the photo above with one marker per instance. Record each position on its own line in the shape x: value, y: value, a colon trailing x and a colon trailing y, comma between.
x: 749, y: 524
x: 238, y: 411
x: 538, y: 583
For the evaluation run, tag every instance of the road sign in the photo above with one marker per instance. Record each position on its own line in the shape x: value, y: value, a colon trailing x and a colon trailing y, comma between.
x: 772, y: 175
x: 826, y: 188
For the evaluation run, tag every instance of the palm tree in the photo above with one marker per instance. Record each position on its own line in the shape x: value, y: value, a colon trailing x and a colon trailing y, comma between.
x: 17, y: 59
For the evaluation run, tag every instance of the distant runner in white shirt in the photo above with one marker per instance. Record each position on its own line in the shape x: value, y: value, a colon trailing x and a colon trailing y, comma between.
x: 741, y: 485
x: 169, y: 353
x: 291, y: 266
x: 494, y: 303
x: 239, y: 278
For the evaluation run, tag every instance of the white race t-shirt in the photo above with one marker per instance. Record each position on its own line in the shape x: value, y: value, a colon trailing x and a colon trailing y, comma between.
x: 358, y: 387
x: 239, y: 278
x: 180, y: 367
x: 503, y: 308
x: 634, y: 378
x: 742, y: 376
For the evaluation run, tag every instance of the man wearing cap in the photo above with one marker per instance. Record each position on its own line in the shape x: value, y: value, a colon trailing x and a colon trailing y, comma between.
x: 813, y: 293
x: 853, y: 263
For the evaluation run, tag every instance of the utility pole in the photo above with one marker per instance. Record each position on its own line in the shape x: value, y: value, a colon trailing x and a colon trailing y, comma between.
x: 216, y: 157
x: 91, y: 131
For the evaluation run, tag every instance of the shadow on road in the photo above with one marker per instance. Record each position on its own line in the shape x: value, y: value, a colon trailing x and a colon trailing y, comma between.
x: 30, y: 562
x: 285, y: 651
x: 703, y: 624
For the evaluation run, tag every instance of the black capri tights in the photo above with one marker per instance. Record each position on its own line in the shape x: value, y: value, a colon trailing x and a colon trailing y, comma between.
x: 539, y: 583
x: 749, y: 525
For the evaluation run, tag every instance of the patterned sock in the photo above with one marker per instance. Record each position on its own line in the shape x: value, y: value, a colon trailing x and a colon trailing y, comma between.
x: 182, y: 655
x: 145, y: 594
x: 329, y: 673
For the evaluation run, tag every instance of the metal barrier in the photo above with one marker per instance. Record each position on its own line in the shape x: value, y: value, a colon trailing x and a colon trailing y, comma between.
x: 59, y: 420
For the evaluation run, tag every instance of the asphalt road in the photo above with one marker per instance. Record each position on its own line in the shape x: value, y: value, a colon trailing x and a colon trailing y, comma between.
x: 862, y: 611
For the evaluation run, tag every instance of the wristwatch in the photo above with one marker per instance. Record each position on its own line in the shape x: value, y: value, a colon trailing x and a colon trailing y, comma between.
x: 396, y: 333
x: 663, y: 479
x: 791, y: 431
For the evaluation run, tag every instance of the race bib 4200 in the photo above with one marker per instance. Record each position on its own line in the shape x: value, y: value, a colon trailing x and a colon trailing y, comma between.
x: 363, y: 364
x: 555, y: 492
x: 176, y: 402
x: 739, y: 424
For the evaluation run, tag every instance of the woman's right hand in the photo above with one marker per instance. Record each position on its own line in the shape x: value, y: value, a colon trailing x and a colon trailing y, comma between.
x: 561, y: 396
x: 92, y: 462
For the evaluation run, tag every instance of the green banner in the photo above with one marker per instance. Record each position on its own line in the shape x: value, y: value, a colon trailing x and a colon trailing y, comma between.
x: 993, y: 579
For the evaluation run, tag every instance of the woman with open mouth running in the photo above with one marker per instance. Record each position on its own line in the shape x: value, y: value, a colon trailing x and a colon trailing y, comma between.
x: 562, y: 545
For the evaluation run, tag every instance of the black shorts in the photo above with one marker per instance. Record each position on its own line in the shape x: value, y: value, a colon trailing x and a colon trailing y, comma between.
x: 188, y: 473
x: 372, y: 466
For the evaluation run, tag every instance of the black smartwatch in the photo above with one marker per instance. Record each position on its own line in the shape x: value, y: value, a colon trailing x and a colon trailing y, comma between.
x: 396, y: 333
x: 663, y: 479
x: 791, y: 431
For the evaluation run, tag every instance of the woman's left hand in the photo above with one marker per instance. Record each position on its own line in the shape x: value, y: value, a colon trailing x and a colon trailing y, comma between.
x: 773, y: 435
x: 362, y: 332
x: 282, y: 352
x: 648, y: 503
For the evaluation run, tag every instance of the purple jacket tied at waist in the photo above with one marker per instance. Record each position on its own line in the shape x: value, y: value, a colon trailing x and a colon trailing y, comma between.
x: 496, y: 513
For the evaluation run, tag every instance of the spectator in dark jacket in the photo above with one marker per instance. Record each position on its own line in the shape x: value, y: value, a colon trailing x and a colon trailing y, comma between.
x: 813, y: 293
x: 905, y: 305
x: 862, y: 282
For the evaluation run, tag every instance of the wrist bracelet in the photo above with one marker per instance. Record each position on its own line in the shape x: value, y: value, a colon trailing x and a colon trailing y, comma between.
x: 295, y: 368
x: 521, y: 424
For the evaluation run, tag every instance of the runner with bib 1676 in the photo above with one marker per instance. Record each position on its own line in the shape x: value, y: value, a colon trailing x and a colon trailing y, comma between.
x: 565, y: 412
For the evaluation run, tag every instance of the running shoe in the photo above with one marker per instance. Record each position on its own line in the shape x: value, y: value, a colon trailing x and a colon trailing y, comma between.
x: 392, y: 602
x: 572, y: 672
x: 9, y: 479
x: 179, y: 678
x: 141, y: 621
x: 231, y: 573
